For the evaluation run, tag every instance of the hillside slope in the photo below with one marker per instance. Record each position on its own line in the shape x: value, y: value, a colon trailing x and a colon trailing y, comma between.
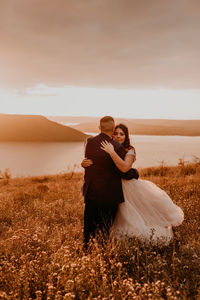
x: 33, y: 128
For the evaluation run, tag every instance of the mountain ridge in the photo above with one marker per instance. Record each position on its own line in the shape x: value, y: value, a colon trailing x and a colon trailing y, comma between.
x: 36, y: 128
x: 137, y: 126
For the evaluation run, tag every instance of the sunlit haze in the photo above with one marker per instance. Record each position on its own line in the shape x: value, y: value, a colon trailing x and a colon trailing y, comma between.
x: 71, y: 101
x: 135, y: 59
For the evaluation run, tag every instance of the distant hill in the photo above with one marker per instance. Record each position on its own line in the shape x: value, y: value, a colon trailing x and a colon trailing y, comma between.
x: 31, y: 128
x: 138, y: 126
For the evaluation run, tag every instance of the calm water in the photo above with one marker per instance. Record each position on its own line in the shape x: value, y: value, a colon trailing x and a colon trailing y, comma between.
x: 27, y: 159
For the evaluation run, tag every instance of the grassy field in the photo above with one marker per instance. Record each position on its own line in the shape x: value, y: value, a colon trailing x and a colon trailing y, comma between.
x: 41, y: 221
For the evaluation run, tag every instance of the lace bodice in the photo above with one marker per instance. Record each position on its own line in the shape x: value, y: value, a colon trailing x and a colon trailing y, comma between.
x: 132, y: 152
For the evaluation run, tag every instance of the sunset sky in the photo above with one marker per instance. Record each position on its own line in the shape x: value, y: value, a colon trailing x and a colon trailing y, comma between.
x: 127, y: 58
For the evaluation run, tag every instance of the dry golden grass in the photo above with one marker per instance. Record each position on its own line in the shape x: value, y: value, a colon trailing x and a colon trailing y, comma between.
x: 41, y: 221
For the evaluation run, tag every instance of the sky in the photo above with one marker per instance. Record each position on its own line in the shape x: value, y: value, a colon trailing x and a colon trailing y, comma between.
x: 126, y: 58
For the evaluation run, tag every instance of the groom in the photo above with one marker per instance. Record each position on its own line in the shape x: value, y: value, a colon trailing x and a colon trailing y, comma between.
x: 102, y: 188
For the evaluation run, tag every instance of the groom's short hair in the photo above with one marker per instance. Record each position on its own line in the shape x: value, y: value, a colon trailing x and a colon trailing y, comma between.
x: 107, y: 123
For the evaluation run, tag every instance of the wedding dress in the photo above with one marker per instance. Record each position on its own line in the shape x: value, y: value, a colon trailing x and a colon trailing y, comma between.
x: 147, y: 213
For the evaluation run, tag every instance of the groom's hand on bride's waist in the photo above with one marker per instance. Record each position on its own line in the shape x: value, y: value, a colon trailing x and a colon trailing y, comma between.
x: 132, y: 173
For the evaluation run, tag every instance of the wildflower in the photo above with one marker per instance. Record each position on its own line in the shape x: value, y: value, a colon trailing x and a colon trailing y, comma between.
x: 50, y: 286
x: 92, y: 271
x: 3, y: 295
x: 115, y: 283
x: 69, y: 296
x: 38, y: 295
x: 70, y: 281
x: 119, y: 265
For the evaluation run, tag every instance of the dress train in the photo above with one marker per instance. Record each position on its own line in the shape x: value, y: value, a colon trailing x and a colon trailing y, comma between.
x: 147, y: 213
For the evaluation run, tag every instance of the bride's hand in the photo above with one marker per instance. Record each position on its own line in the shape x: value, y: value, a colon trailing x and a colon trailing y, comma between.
x: 86, y: 162
x: 107, y: 147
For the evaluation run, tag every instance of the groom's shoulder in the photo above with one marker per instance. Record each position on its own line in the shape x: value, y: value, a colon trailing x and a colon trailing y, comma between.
x: 92, y: 138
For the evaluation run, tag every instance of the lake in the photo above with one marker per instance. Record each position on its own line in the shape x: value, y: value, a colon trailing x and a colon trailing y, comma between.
x: 32, y: 159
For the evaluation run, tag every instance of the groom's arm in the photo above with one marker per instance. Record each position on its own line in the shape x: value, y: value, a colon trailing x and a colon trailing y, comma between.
x: 130, y: 174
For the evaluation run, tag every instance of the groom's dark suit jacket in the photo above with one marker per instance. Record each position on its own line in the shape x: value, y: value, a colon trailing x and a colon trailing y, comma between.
x: 102, y: 180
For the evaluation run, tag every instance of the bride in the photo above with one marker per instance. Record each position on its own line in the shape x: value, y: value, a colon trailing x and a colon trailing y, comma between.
x: 148, y: 213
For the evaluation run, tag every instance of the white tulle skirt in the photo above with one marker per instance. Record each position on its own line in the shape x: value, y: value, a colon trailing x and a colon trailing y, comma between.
x: 147, y: 213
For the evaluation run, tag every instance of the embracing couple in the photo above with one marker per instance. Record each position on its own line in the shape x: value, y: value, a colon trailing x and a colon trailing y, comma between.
x: 115, y: 197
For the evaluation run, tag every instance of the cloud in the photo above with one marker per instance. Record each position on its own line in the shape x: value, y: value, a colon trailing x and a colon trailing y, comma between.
x: 105, y: 43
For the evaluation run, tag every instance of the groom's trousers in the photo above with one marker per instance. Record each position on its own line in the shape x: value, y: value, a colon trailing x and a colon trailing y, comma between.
x: 98, y: 218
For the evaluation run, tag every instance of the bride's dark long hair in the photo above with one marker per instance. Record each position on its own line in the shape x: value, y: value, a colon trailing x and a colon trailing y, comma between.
x: 127, y: 145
